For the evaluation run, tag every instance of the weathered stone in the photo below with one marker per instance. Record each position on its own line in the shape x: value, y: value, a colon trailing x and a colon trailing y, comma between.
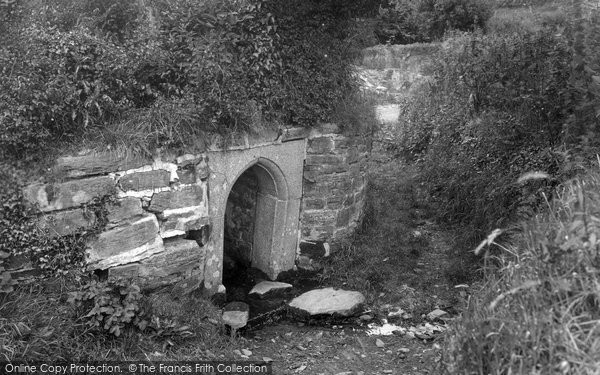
x: 186, y: 197
x: 343, y: 217
x: 329, y: 128
x: 319, y: 217
x: 324, y: 159
x: 127, y: 271
x: 236, y: 314
x: 436, y: 314
x: 50, y: 197
x: 306, y: 263
x: 320, y: 145
x: 187, y: 173
x: 97, y: 163
x: 179, y: 223
x: 145, y: 180
x: 313, y: 204
x: 329, y: 301
x: 180, y: 260
x: 292, y: 134
x: 123, y: 211
x: 126, y: 244
x: 66, y: 222
x: 317, y: 232
x: 265, y: 288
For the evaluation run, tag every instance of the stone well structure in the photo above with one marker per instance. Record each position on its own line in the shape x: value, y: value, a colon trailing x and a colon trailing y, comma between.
x: 163, y: 221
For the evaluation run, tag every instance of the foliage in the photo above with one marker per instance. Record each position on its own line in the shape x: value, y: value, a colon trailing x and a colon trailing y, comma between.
x: 583, y: 125
x: 538, y: 308
x: 412, y: 21
x: 83, y: 69
x: 110, y: 306
x: 495, y: 111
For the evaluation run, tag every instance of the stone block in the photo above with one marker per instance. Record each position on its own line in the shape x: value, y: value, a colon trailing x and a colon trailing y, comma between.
x: 320, y: 145
x: 186, y: 197
x: 318, y: 217
x: 344, y: 215
x: 292, y: 134
x: 123, y: 211
x: 322, y: 170
x: 317, y: 232
x: 179, y: 223
x: 127, y: 271
x: 329, y: 128
x: 50, y: 197
x: 343, y: 143
x: 145, y: 180
x: 66, y: 222
x: 181, y: 260
x: 313, y: 203
x: 324, y: 159
x: 97, y: 163
x: 352, y: 156
x: 125, y: 244
x: 187, y: 174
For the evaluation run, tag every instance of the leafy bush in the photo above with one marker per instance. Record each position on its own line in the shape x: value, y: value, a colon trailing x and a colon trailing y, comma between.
x: 80, y: 69
x: 538, y: 311
x: 411, y: 21
x: 110, y: 306
x: 494, y: 112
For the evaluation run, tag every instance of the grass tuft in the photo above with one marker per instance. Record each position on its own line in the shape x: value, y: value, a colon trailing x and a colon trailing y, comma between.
x: 538, y: 309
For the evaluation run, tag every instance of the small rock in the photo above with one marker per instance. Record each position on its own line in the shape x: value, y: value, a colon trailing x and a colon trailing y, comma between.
x: 246, y: 352
x: 267, y: 359
x: 436, y: 314
x: 236, y: 314
x: 270, y: 287
x: 404, y: 350
x: 395, y: 313
x: 388, y: 371
x: 366, y: 317
x: 236, y: 351
x: 379, y: 343
x: 410, y: 335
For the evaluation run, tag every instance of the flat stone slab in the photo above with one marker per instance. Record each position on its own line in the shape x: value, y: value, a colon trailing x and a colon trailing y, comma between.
x: 236, y: 314
x: 270, y: 287
x: 329, y: 301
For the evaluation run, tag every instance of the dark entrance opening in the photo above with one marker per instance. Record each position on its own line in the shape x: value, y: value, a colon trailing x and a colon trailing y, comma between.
x: 240, y: 216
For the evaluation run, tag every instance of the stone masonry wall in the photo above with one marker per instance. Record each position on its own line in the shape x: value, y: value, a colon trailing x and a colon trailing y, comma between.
x: 164, y: 221
x: 334, y: 185
x: 156, y: 203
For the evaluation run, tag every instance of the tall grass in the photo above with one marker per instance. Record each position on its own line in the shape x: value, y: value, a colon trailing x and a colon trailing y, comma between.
x: 538, y: 311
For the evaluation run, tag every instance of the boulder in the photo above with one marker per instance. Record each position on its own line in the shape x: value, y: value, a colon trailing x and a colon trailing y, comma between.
x: 329, y: 301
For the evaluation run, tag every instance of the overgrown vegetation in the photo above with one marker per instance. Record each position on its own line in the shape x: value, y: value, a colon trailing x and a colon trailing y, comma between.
x: 504, y: 135
x: 500, y: 105
x: 539, y: 308
x: 414, y: 21
x: 161, y: 73
x: 38, y: 322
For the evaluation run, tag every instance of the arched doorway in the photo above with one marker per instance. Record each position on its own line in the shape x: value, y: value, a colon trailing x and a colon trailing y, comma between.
x: 255, y: 219
x: 270, y: 177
